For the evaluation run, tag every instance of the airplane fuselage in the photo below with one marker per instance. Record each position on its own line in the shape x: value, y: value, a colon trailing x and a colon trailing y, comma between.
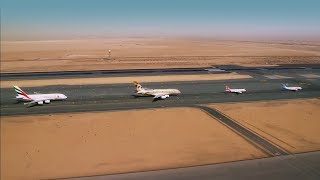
x: 32, y: 97
x: 293, y: 88
x: 236, y: 90
x: 151, y: 92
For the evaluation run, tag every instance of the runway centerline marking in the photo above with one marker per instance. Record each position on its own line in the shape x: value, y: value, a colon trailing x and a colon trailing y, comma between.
x: 277, y: 77
x: 312, y: 76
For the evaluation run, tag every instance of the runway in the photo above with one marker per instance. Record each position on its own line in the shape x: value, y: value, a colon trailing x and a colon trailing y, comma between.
x: 119, y: 96
x: 120, y: 72
x: 126, y: 72
x: 265, y: 85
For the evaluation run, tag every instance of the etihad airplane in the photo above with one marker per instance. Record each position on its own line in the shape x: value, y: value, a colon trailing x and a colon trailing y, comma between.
x: 238, y: 91
x: 156, y: 93
x: 285, y: 87
x: 35, y: 99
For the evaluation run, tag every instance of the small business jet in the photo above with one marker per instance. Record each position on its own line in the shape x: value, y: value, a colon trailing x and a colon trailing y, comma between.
x: 238, y: 91
x: 285, y: 87
x: 35, y: 99
x: 156, y: 93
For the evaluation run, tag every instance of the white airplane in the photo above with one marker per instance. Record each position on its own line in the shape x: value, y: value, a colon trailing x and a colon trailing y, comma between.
x: 238, y: 91
x: 35, y: 99
x: 285, y: 87
x: 156, y: 93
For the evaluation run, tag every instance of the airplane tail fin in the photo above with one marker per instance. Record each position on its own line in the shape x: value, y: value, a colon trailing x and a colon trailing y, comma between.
x: 138, y: 86
x: 21, y: 92
x: 283, y: 85
x: 227, y: 88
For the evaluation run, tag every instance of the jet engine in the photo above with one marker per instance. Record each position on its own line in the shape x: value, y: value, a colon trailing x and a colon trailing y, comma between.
x: 47, y: 101
x: 40, y: 102
x: 164, y: 96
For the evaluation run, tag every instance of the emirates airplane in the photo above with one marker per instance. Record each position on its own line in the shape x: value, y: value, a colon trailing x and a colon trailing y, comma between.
x: 238, y: 91
x: 156, y: 93
x: 35, y: 99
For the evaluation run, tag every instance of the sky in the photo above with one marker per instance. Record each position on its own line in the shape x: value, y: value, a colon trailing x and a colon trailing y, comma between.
x: 224, y: 19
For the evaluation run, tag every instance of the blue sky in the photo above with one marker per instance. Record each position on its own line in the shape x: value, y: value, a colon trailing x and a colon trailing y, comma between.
x: 59, y: 19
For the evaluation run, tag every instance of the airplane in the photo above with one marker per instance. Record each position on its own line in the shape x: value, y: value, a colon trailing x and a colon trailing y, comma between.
x: 35, y: 99
x: 238, y: 91
x: 285, y: 87
x: 156, y: 93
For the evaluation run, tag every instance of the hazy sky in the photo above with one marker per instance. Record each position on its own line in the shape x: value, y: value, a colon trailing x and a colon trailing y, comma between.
x: 226, y: 19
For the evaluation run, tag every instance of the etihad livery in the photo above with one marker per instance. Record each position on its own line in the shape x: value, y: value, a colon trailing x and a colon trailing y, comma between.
x: 156, y: 93
x: 238, y: 91
x: 285, y: 87
x: 35, y: 99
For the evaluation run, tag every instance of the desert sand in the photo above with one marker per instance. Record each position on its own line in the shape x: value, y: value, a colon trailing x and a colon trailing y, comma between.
x: 118, y: 80
x: 128, y: 53
x: 292, y: 124
x: 79, y: 144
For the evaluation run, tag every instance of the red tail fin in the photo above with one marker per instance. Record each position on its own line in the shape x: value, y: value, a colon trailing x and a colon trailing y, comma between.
x: 227, y: 88
x: 20, y: 92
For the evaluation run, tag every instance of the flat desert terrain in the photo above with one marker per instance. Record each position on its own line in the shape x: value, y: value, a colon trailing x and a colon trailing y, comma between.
x: 79, y: 144
x: 131, y: 53
x: 292, y: 124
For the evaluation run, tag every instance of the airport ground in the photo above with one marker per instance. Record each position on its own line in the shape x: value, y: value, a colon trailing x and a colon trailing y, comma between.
x: 262, y: 84
x: 101, y: 132
x: 91, y: 129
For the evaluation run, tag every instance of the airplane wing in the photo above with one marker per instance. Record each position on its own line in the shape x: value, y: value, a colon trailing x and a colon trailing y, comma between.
x: 160, y: 96
x: 30, y: 104
x: 156, y: 96
x: 36, y: 101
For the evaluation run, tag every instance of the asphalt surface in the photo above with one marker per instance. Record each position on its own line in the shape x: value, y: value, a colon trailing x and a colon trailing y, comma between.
x: 119, y: 96
x: 262, y: 143
x: 126, y: 72
x: 294, y: 167
x: 89, y: 73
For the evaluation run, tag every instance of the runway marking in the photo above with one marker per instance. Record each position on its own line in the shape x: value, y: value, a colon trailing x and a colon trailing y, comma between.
x: 311, y: 76
x: 277, y: 77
